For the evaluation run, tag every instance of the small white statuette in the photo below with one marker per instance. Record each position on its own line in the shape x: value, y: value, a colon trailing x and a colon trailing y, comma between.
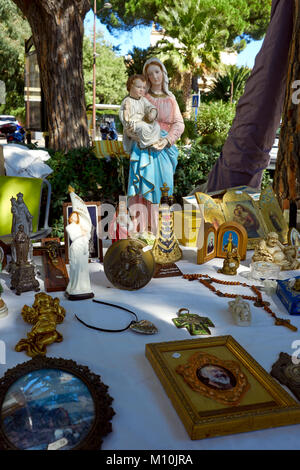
x: 240, y: 311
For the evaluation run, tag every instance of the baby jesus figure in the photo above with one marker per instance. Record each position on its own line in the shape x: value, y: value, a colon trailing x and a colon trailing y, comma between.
x: 138, y: 116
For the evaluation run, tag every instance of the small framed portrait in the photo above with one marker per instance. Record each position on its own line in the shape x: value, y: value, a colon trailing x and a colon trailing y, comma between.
x: 95, y: 243
x: 232, y: 235
x: 217, y: 388
x: 209, y: 246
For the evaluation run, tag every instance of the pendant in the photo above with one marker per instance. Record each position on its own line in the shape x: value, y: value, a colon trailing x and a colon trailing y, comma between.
x: 195, y: 324
x: 144, y: 327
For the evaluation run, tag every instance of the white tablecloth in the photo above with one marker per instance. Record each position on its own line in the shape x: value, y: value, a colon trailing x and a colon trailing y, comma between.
x: 145, y: 418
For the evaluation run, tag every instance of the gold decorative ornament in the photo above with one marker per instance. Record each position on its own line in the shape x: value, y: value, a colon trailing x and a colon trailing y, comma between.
x: 230, y: 263
x: 215, y: 378
x: 166, y: 248
x: 44, y: 315
x: 129, y: 264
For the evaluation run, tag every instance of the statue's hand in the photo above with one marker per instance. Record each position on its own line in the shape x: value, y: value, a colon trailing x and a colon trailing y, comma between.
x: 71, y: 189
x: 161, y: 144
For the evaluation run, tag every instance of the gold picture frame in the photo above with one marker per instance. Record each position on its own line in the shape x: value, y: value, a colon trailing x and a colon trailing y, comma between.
x: 272, y: 214
x: 213, y: 213
x: 262, y: 403
x: 238, y: 206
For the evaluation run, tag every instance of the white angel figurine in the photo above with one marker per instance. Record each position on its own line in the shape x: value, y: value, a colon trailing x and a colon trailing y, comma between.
x: 79, y: 231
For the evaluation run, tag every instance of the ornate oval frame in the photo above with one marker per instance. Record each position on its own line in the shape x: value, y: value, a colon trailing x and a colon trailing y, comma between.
x: 101, y: 425
x: 230, y: 397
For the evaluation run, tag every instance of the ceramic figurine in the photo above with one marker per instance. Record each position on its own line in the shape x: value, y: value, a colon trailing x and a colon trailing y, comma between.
x: 21, y: 215
x: 138, y: 116
x: 271, y: 250
x: 79, y: 231
x: 231, y: 263
x: 240, y: 311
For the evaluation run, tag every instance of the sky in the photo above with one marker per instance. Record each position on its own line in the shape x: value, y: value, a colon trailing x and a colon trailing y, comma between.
x: 140, y: 37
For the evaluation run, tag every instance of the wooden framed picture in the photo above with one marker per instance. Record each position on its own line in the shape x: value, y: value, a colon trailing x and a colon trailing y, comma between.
x: 240, y: 207
x: 217, y: 388
x: 232, y: 235
x: 95, y: 243
x: 272, y: 214
x: 209, y: 246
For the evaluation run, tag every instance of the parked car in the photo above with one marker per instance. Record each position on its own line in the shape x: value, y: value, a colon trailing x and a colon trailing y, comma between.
x: 8, y: 124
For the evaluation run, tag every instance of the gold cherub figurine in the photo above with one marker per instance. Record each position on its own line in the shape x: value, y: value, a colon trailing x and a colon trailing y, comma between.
x: 44, y: 315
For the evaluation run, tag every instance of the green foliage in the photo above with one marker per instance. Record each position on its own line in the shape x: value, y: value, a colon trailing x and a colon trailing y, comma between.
x: 14, y: 30
x: 190, y: 130
x: 94, y: 179
x: 111, y: 74
x: 214, y: 121
x: 136, y: 58
x: 249, y: 18
x: 266, y: 179
x: 194, y: 163
x: 229, y: 85
x: 1, y: 288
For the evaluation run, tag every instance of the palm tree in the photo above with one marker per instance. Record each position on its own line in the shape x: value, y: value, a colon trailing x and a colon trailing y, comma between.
x: 196, y: 34
x: 229, y: 84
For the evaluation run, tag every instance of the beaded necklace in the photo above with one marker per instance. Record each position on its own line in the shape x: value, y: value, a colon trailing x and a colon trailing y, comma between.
x: 258, y: 301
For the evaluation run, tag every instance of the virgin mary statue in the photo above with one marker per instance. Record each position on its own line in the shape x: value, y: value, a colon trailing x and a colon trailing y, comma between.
x: 79, y: 231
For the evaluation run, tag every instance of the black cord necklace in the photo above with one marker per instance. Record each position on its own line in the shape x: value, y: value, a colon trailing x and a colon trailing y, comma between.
x: 142, y: 326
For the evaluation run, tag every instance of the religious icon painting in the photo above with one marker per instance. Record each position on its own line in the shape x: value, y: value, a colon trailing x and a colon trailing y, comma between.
x: 209, y: 246
x: 273, y: 215
x: 232, y: 236
x: 240, y: 207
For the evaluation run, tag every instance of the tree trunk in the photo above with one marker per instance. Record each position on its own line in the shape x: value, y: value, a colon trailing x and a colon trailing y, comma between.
x: 57, y: 29
x: 287, y: 171
x: 186, y: 88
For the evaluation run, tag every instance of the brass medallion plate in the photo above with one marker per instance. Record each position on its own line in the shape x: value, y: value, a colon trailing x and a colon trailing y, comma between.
x: 129, y: 264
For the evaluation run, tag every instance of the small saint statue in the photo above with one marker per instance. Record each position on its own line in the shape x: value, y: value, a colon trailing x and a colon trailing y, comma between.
x: 240, y: 311
x: 20, y: 216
